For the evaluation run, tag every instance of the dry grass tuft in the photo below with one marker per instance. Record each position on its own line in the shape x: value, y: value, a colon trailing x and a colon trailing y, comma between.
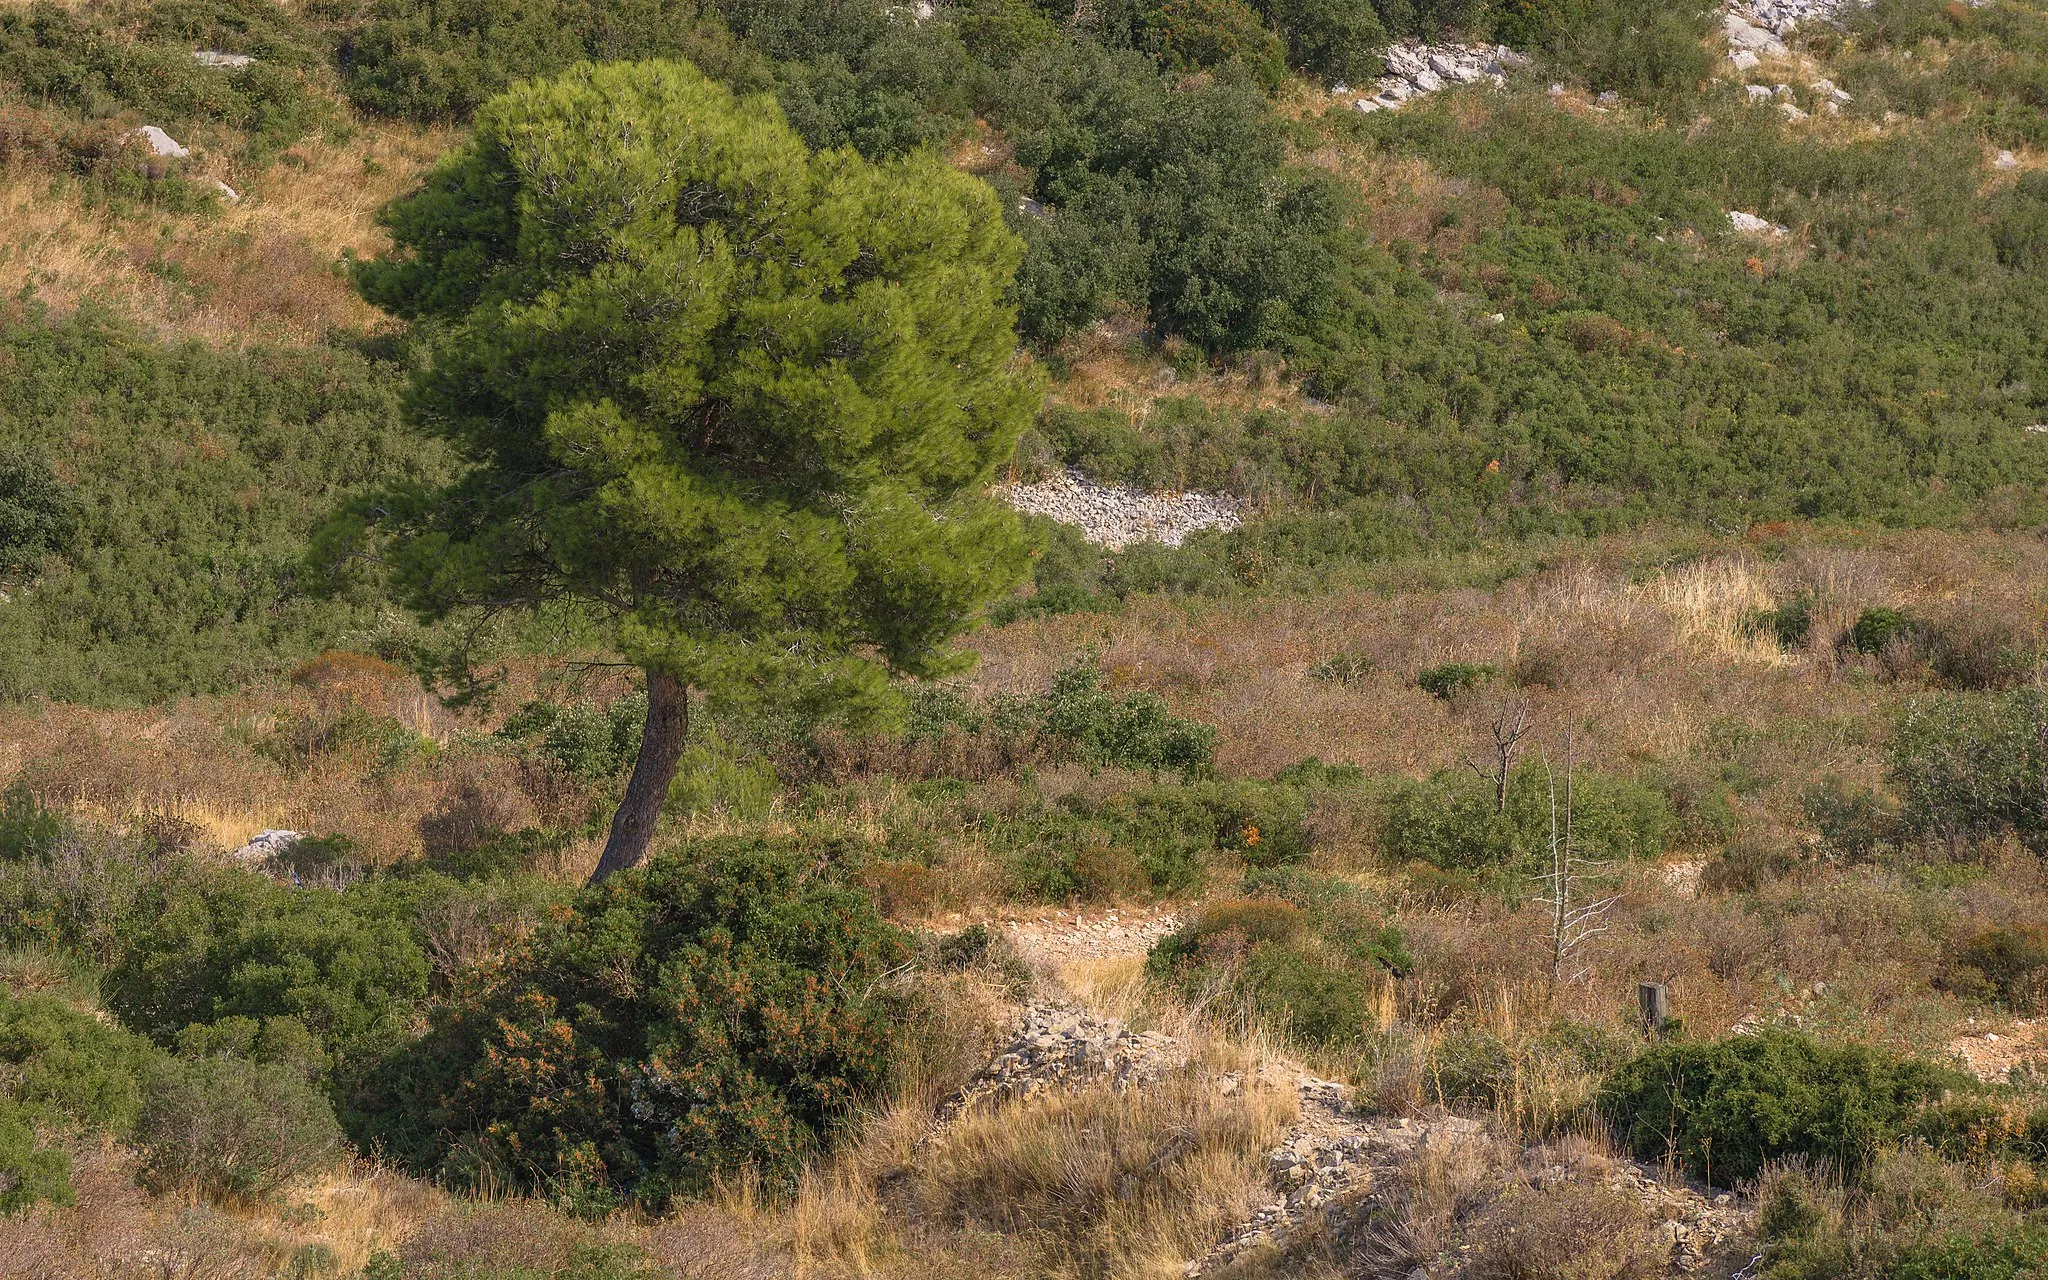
x: 1106, y: 1183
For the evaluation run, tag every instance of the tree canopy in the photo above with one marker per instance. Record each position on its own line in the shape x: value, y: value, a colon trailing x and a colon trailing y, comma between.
x: 738, y: 398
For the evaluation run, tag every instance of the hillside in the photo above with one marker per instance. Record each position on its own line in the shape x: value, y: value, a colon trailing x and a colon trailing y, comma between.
x: 1602, y: 454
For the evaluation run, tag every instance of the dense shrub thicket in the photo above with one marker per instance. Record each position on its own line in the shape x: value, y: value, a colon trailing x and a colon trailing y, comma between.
x: 74, y: 69
x: 193, y: 476
x: 1724, y: 1109
x: 724, y: 1007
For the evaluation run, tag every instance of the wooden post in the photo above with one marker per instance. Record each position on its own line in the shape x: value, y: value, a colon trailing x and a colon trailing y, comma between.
x: 1655, y: 1002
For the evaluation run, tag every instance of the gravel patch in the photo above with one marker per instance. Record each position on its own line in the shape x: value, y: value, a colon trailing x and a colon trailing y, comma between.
x: 1116, y: 517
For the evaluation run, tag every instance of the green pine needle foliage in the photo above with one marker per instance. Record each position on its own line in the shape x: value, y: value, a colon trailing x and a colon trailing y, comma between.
x: 739, y: 398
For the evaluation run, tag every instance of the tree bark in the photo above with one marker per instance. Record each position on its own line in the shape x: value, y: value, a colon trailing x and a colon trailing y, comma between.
x: 661, y: 748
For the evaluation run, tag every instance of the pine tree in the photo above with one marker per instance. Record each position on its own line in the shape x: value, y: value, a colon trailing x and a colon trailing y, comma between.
x: 739, y: 400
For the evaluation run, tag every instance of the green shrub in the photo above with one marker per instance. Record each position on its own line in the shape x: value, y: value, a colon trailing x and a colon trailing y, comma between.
x: 2010, y: 962
x: 1648, y: 50
x: 83, y: 893
x: 1971, y: 766
x: 1198, y: 35
x: 721, y: 1009
x: 238, y: 945
x: 31, y: 1173
x: 1336, y: 40
x: 1724, y: 1109
x: 1133, y: 730
x: 1451, y: 819
x: 588, y: 741
x: 1788, y: 624
x: 37, y: 515
x: 227, y: 1126
x: 440, y: 61
x: 1311, y: 963
x: 2020, y: 232
x: 2008, y: 1255
x: 1449, y: 679
x: 174, y: 581
x: 69, y: 1065
x: 97, y: 70
x: 1176, y: 200
x: 60, y: 1069
x: 1880, y: 628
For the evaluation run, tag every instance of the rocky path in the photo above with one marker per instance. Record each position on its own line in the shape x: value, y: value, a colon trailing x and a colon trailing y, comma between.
x: 1333, y: 1156
x: 1061, y: 939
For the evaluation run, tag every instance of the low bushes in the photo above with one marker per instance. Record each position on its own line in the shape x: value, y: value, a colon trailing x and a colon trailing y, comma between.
x: 2010, y: 962
x: 1451, y: 819
x: 219, y: 1124
x: 227, y: 1126
x: 67, y: 57
x: 1163, y: 838
x: 237, y: 945
x: 434, y: 61
x: 721, y: 1009
x: 1726, y: 1108
x: 1307, y: 955
x: 1076, y: 719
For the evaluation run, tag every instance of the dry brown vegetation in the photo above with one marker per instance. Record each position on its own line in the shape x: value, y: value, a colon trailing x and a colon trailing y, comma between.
x: 263, y: 270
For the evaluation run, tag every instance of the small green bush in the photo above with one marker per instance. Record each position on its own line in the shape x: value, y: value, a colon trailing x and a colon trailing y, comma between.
x: 66, y: 1064
x: 1452, y: 678
x: 1336, y: 40
x: 588, y: 741
x: 227, y: 1126
x: 2011, y: 962
x: 721, y: 1009
x: 60, y: 1068
x: 1311, y: 963
x: 1788, y: 624
x: 37, y: 515
x: 1133, y: 730
x: 96, y: 70
x: 239, y: 945
x: 1880, y: 628
x: 1199, y: 35
x: 438, y: 61
x: 1726, y: 1108
x: 2008, y: 1255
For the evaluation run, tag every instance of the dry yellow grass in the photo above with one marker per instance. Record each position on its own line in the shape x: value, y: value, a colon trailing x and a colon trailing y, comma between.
x: 260, y: 271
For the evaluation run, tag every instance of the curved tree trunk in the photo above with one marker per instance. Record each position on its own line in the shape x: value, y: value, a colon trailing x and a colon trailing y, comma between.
x: 661, y: 747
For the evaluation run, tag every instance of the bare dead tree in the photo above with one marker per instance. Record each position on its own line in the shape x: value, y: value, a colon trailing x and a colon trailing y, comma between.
x: 1574, y: 918
x: 1510, y: 719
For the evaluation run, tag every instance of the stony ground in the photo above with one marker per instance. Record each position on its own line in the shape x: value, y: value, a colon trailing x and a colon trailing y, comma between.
x: 1115, y: 516
x: 1335, y: 1155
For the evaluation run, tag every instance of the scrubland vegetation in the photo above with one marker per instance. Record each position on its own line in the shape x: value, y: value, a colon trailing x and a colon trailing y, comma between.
x: 1623, y: 599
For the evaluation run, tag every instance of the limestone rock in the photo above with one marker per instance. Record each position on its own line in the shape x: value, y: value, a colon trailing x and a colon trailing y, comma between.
x: 159, y: 142
x: 1744, y: 35
x: 265, y: 846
